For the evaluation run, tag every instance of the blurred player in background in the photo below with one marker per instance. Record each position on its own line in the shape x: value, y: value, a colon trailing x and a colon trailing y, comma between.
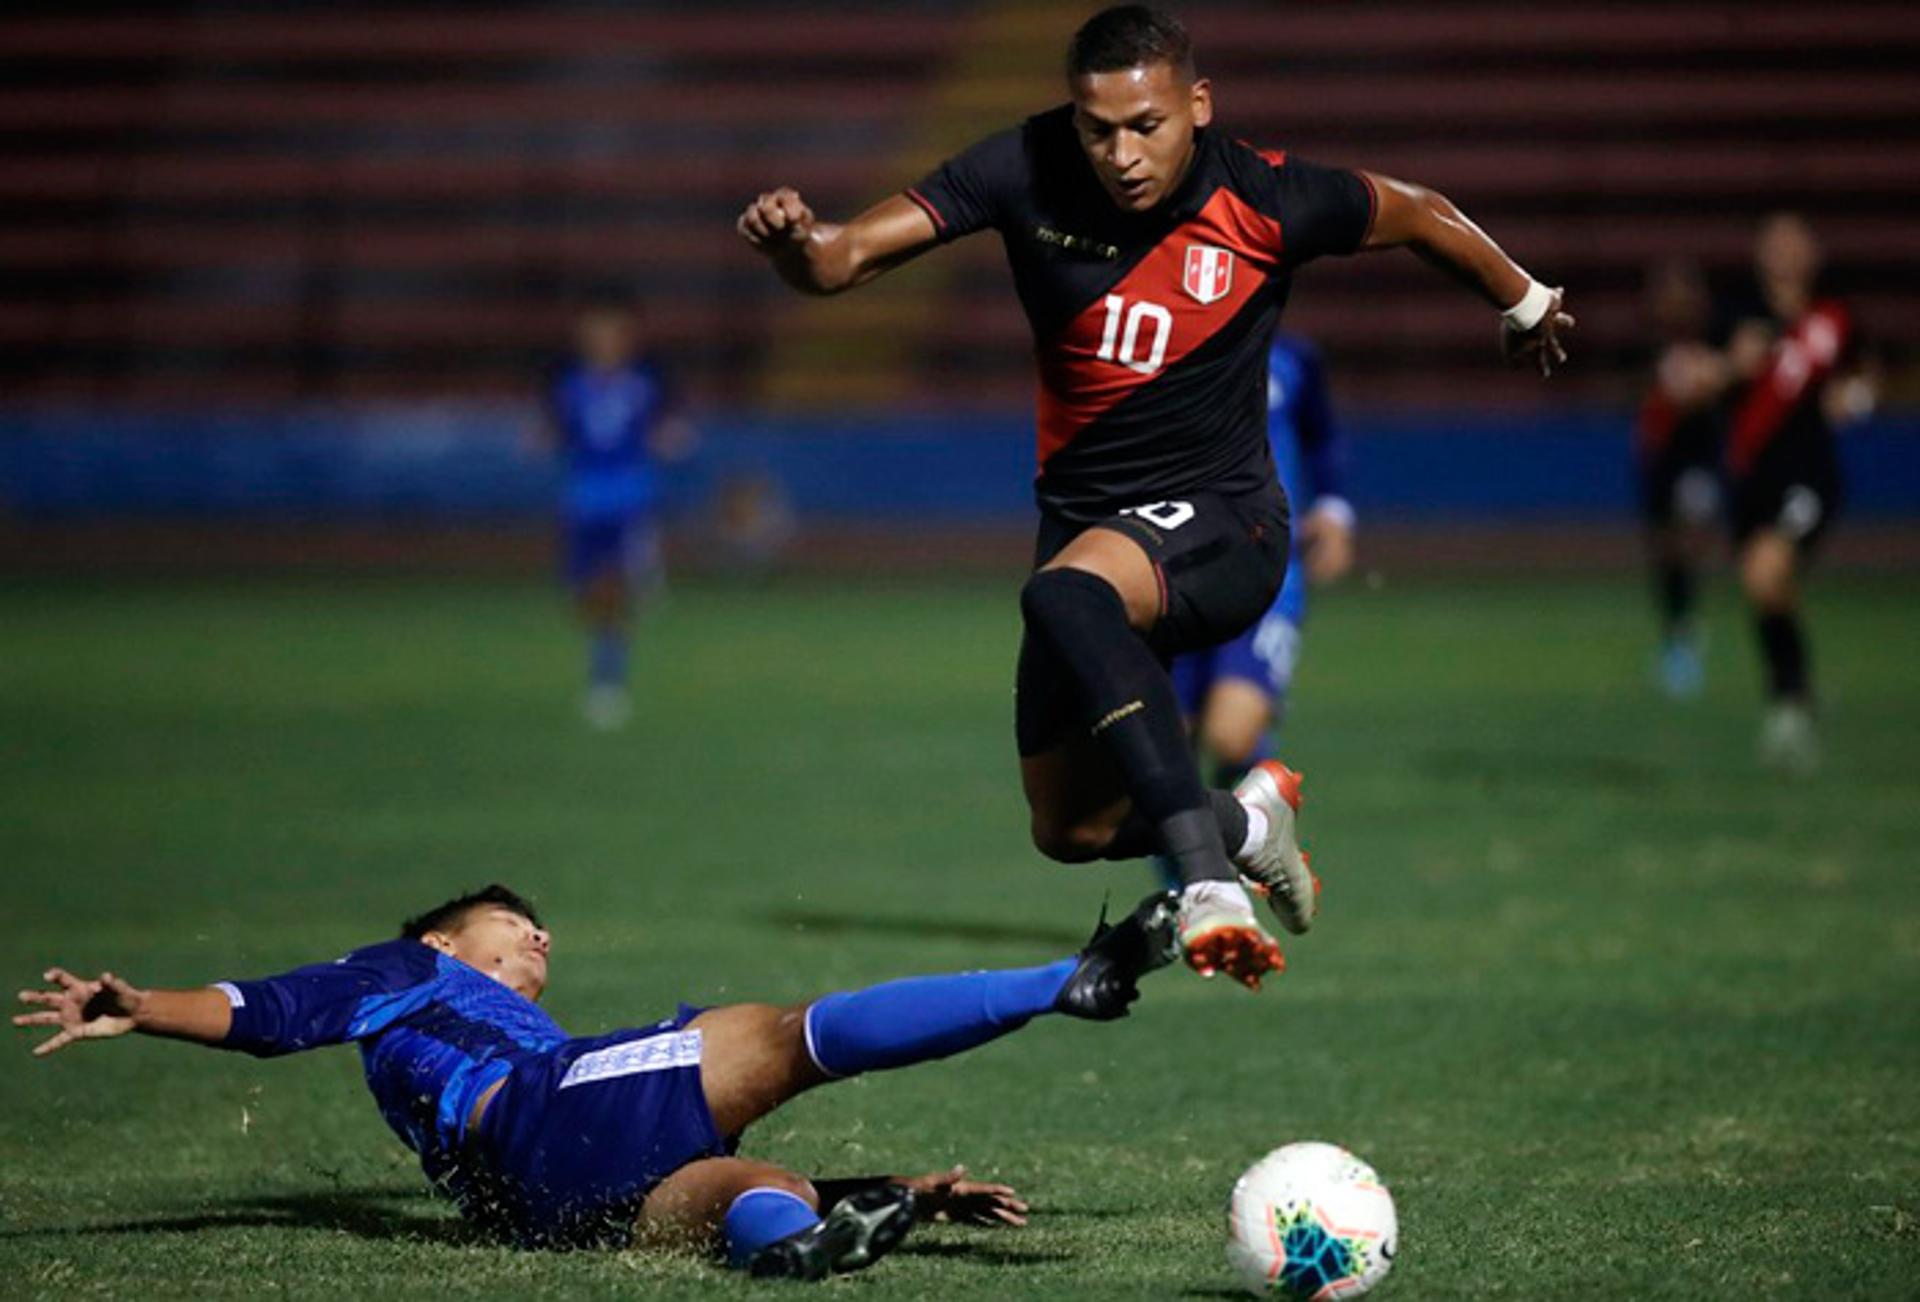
x: 1795, y: 359
x: 1235, y: 694
x: 609, y: 417
x: 1677, y: 459
x: 1152, y: 254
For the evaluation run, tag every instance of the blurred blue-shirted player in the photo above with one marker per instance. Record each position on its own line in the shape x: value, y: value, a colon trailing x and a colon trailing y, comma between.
x: 1236, y: 693
x: 609, y: 418
x: 549, y: 1140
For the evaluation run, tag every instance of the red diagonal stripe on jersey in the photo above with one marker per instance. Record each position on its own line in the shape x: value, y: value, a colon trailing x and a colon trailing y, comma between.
x: 1077, y: 385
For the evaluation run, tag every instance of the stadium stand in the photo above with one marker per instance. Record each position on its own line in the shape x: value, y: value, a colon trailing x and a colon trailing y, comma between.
x: 215, y: 201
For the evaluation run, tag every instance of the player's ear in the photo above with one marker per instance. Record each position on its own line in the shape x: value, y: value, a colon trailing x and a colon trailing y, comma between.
x: 1202, y: 102
x: 439, y: 940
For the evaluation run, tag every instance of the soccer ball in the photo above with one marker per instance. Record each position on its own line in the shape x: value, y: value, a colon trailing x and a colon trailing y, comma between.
x: 1311, y: 1221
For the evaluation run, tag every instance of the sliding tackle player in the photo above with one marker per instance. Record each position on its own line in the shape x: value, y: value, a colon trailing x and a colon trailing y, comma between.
x: 550, y: 1141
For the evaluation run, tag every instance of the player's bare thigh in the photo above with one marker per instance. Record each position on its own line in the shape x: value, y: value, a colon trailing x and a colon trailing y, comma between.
x: 753, y: 1058
x: 1123, y: 563
x: 1769, y: 571
x: 685, y: 1209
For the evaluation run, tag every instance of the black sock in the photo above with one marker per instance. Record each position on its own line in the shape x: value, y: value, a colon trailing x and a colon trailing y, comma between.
x: 1675, y: 585
x: 1784, y: 646
x: 1130, y: 705
x: 1137, y: 837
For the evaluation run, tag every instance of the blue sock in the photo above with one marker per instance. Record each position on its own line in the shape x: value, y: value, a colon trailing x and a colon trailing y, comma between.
x: 762, y: 1216
x: 923, y: 1018
x: 607, y: 658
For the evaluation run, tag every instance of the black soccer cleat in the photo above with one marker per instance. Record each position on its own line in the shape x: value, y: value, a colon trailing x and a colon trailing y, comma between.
x: 1119, y: 955
x: 862, y: 1228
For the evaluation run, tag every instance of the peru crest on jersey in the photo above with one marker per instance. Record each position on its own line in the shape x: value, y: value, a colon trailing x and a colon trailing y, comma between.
x: 1209, y: 275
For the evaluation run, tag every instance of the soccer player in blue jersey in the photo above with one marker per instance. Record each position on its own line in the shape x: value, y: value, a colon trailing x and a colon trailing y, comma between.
x: 608, y: 417
x: 1236, y: 693
x: 552, y: 1141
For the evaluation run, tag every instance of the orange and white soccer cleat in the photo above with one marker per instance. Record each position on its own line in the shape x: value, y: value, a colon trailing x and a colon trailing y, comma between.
x: 1277, y: 869
x: 1218, y: 933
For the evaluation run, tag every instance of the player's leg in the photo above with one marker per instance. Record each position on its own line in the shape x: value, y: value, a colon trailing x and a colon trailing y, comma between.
x: 598, y: 569
x: 1782, y: 510
x: 1680, y: 502
x: 755, y: 1057
x: 1769, y: 576
x: 1234, y: 726
x: 1252, y: 677
x: 1088, y: 610
x: 768, y: 1220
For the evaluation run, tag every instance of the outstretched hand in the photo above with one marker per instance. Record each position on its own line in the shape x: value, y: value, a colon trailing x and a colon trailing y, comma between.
x: 1541, y: 346
x: 776, y: 218
x: 80, y: 1010
x: 950, y: 1196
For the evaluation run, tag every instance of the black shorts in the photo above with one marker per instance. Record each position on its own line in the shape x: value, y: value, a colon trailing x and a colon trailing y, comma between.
x: 1680, y: 490
x: 1220, y: 562
x: 1794, y: 487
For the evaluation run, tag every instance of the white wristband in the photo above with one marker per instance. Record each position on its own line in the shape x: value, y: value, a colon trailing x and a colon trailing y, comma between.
x: 1532, y: 307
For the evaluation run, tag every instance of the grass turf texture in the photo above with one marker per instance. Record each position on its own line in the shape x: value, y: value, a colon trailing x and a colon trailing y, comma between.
x: 1614, y: 1014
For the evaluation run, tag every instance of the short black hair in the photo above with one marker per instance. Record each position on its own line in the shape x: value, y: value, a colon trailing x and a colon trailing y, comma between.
x: 450, y: 914
x: 1130, y: 36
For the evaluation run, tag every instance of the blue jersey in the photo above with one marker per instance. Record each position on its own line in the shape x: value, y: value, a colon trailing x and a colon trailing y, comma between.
x: 1306, y: 444
x: 433, y: 1034
x: 604, y: 420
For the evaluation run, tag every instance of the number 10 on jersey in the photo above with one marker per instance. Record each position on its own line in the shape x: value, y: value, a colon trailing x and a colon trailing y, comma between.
x: 1120, y: 341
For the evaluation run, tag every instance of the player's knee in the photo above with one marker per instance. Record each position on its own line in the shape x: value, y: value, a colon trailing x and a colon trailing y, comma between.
x: 1051, y: 598
x: 1069, y: 842
x: 773, y: 1177
x: 1766, y: 574
x: 1232, y: 745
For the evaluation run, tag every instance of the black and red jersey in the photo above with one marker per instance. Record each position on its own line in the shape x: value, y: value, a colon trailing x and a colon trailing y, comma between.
x: 1150, y: 329
x: 1783, y: 402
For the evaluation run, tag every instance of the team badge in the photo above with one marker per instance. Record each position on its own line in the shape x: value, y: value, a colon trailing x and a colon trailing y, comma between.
x: 1209, y: 272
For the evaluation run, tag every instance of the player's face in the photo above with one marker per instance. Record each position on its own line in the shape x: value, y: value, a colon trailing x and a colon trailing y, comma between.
x: 1137, y: 127
x: 1677, y: 301
x: 503, y: 944
x: 1787, y: 251
x: 607, y: 339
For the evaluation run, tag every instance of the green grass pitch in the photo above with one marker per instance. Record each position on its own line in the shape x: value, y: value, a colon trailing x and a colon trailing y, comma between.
x: 1615, y: 1015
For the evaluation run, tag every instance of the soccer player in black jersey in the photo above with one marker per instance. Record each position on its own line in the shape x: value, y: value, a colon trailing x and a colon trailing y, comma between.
x: 1152, y: 254
x: 1796, y: 362
x: 1677, y: 458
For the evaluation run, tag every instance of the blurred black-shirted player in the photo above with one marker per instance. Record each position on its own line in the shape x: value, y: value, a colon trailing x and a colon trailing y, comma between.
x: 1152, y: 254
x: 1795, y: 359
x: 1677, y: 457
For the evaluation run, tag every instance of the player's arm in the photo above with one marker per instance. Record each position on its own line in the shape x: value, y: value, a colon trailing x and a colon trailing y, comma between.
x: 817, y: 257
x: 326, y: 1003
x: 1427, y: 222
x: 1326, y: 531
x: 108, y: 1007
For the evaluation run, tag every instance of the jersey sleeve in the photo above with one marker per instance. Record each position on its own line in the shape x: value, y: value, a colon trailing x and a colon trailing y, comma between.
x: 1322, y: 209
x: 968, y: 192
x: 330, y: 1003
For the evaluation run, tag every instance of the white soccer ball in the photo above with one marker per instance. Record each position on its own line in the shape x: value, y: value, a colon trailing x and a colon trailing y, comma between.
x: 1311, y: 1221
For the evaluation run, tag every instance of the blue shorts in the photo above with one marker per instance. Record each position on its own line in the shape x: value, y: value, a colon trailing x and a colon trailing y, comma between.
x: 577, y: 1138
x: 594, y: 545
x: 1264, y: 655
